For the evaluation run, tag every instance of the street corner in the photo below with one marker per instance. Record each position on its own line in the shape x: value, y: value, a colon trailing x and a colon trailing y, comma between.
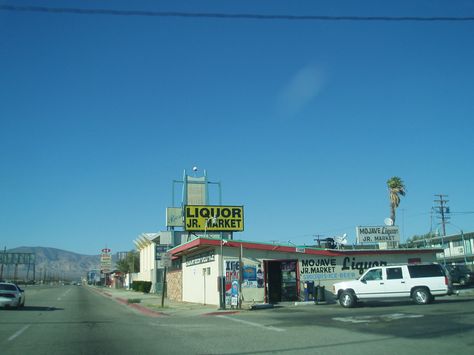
x: 144, y: 308
x: 144, y: 305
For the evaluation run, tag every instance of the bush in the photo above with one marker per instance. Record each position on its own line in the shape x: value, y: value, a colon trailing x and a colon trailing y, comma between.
x: 133, y: 300
x: 135, y: 285
x: 146, y: 286
x: 141, y: 286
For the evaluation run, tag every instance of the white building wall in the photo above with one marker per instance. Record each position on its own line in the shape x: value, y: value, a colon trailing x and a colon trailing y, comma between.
x: 147, y: 263
x: 200, y: 282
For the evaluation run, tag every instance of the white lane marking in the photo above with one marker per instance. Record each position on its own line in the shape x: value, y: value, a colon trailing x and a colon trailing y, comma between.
x: 377, y: 318
x: 252, y: 324
x: 401, y: 316
x: 355, y: 319
x: 18, y: 333
x: 181, y: 326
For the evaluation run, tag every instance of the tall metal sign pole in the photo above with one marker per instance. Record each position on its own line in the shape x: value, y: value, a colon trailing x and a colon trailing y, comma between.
x: 222, y: 276
x: 241, y: 276
x: 166, y: 260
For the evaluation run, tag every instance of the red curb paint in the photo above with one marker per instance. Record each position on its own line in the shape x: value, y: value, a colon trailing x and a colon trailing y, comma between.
x: 142, y: 309
x: 219, y: 313
x: 147, y: 311
x: 121, y: 300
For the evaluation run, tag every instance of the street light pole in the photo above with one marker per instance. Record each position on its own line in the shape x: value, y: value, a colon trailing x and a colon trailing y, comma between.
x: 463, y: 241
x: 463, y: 247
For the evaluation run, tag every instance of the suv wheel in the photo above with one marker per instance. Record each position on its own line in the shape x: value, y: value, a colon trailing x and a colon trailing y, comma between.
x: 347, y: 299
x: 421, y: 296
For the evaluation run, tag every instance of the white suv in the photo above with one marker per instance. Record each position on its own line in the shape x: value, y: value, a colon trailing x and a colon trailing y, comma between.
x: 420, y: 282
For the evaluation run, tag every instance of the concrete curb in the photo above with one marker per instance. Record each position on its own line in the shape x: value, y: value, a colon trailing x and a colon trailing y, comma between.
x: 140, y: 308
x: 146, y: 303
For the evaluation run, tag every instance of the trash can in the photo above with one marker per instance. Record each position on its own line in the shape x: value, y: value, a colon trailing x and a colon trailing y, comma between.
x: 309, y: 291
x: 320, y: 295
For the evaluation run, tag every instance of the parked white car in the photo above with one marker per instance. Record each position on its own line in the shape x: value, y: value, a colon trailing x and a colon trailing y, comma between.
x: 11, y: 295
x: 420, y: 282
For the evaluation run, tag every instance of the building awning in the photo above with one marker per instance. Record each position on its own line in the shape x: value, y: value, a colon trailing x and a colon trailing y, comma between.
x: 202, y: 243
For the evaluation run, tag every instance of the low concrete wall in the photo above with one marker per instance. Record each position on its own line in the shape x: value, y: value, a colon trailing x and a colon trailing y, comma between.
x: 174, y: 282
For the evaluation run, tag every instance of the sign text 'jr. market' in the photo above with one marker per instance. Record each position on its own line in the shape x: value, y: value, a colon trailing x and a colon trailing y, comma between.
x: 214, y: 218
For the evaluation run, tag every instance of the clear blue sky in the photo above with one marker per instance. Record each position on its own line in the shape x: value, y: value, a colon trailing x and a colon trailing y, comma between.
x: 302, y: 122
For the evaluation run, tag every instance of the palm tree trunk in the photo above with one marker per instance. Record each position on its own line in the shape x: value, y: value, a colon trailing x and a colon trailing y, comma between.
x: 392, y: 213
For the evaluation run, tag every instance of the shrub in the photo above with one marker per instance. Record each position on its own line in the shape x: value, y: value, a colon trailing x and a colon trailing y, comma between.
x: 141, y: 286
x: 146, y: 286
x: 133, y: 300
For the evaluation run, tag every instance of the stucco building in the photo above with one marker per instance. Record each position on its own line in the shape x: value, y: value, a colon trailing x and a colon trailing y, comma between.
x: 271, y: 273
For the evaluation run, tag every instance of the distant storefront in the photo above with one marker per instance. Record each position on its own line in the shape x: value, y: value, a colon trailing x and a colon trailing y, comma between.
x: 455, y: 248
x: 271, y: 273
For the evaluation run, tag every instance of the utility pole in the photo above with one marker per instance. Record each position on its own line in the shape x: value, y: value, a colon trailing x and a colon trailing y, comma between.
x: 443, y: 210
x: 317, y: 239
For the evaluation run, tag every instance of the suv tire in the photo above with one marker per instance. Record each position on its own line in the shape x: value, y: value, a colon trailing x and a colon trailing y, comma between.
x: 347, y: 299
x: 422, y: 295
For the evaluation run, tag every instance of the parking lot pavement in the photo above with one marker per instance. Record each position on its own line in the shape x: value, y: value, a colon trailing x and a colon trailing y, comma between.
x: 464, y: 291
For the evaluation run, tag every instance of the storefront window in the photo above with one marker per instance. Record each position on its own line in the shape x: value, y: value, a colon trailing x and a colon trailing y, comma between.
x: 288, y: 281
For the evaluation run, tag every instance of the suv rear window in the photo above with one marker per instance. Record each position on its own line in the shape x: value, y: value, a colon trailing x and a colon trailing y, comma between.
x: 425, y: 270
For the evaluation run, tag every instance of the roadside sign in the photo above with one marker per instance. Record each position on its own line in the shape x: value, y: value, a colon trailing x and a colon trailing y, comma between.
x: 161, y: 248
x: 377, y: 234
x: 166, y: 259
x: 205, y: 218
x: 105, y: 261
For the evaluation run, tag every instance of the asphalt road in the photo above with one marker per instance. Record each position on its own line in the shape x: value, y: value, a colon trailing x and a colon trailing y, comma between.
x: 76, y: 320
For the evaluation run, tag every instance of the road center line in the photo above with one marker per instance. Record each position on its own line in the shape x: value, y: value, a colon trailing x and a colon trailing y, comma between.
x: 252, y: 324
x: 18, y: 333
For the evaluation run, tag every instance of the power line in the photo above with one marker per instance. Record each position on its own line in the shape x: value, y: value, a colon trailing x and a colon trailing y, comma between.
x: 83, y: 11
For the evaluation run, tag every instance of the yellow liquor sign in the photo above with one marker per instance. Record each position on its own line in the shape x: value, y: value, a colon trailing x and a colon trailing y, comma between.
x: 213, y: 218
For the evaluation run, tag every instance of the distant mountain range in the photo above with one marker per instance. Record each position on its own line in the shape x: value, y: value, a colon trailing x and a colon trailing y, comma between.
x: 52, y: 264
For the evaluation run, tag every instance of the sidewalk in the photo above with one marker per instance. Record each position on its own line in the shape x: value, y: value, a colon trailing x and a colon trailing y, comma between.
x: 150, y: 303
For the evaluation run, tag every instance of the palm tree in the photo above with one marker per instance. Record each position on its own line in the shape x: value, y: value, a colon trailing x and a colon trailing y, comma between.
x: 396, y: 188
